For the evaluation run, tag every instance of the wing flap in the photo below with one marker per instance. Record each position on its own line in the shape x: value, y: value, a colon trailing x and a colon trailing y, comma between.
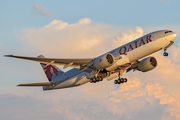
x: 36, y: 84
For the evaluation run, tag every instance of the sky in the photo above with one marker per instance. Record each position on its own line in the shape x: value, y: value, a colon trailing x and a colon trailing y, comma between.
x: 86, y: 29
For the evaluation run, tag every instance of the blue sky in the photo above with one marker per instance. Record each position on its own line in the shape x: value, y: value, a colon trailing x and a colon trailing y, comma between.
x: 85, y: 29
x: 17, y: 15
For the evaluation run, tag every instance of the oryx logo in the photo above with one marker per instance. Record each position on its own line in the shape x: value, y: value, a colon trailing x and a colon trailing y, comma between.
x: 50, y: 71
x: 100, y: 60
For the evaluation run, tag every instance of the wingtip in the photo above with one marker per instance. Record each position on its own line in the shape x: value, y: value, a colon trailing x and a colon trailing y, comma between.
x: 8, y: 55
x: 20, y: 84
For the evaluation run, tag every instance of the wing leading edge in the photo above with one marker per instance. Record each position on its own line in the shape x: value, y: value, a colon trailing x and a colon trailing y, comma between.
x: 56, y: 61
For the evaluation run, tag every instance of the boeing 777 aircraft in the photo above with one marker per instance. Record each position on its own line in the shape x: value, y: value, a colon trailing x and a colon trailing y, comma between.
x: 109, y: 65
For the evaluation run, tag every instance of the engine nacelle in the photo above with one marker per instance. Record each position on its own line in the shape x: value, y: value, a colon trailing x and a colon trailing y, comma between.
x: 147, y: 64
x: 104, y: 61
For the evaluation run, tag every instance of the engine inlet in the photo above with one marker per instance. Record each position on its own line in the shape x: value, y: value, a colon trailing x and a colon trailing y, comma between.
x: 109, y: 58
x: 153, y: 61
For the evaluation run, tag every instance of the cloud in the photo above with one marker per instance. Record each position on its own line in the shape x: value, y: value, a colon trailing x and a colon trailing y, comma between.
x: 61, y: 39
x: 77, y: 39
x: 147, y: 93
x: 133, y: 100
x: 38, y: 8
x: 175, y: 55
x: 127, y: 37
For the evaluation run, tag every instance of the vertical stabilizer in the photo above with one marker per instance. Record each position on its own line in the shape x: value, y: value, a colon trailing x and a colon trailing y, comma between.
x: 51, y: 71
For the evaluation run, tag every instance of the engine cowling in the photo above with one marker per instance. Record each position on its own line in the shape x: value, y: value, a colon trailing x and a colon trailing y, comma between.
x: 104, y: 61
x: 147, y: 64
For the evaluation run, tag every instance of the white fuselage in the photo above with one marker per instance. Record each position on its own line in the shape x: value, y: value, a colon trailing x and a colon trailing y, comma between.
x: 129, y: 53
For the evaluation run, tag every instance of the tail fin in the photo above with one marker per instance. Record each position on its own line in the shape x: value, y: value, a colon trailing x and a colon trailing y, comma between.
x: 51, y: 71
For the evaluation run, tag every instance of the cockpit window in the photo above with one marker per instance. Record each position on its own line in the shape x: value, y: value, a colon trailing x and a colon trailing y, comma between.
x: 168, y: 32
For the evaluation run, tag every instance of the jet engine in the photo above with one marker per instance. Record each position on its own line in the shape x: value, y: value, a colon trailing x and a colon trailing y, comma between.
x: 104, y: 61
x: 147, y: 64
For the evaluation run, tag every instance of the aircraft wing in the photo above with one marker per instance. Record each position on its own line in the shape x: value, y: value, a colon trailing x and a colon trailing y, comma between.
x: 56, y: 61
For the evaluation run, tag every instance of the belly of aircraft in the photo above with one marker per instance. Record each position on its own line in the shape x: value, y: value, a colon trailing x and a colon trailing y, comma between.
x: 74, y: 81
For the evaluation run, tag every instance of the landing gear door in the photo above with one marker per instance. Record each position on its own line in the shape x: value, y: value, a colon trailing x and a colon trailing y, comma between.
x: 112, y: 76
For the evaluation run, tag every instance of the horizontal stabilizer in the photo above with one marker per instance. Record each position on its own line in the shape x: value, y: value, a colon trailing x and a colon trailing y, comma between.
x: 36, y: 84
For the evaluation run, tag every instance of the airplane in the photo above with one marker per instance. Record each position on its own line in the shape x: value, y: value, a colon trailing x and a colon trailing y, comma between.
x: 111, y: 65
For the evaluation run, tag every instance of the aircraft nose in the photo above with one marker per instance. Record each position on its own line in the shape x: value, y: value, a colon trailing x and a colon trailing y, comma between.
x: 174, y: 36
